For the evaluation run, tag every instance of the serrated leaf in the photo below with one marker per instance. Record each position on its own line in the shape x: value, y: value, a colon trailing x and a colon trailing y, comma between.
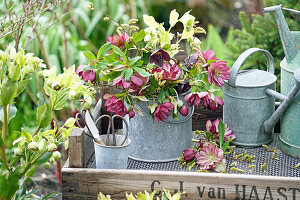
x: 89, y: 55
x: 44, y: 115
x: 138, y: 36
x: 26, y: 135
x: 173, y: 18
x: 142, y: 72
x: 103, y: 50
x: 150, y: 21
x: 128, y: 73
x: 118, y: 51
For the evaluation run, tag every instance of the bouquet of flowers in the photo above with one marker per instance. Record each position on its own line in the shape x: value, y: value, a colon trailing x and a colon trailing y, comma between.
x: 207, y: 154
x: 142, y: 64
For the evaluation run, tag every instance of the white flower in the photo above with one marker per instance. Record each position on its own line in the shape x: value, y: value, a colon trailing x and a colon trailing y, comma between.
x: 33, y: 145
x: 52, y: 147
x: 56, y: 155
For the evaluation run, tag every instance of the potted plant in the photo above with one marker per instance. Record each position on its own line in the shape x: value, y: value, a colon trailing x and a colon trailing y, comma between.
x: 163, y: 90
x: 33, y: 149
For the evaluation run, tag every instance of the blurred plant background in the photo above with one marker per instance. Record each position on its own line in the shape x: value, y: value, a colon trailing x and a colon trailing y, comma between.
x: 58, y: 31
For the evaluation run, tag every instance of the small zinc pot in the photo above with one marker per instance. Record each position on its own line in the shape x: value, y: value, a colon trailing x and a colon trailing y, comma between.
x: 159, y: 141
x: 112, y: 157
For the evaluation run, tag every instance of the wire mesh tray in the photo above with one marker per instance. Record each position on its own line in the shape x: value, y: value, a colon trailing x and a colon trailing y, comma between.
x: 283, y: 166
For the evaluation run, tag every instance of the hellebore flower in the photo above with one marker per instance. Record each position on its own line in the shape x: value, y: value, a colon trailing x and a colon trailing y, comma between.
x: 207, y: 55
x: 211, y: 157
x: 214, y: 103
x: 195, y: 98
x: 170, y: 73
x: 138, y: 84
x: 120, y: 82
x: 118, y: 40
x: 115, y: 105
x: 188, y: 154
x: 88, y: 75
x: 212, y: 127
x: 131, y: 114
x: 163, y: 111
x: 159, y: 56
x: 217, y: 73
x: 184, y: 110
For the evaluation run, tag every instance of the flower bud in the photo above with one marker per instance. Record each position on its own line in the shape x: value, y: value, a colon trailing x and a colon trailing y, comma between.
x: 131, y: 114
x: 184, y: 110
x: 18, y: 152
x: 189, y: 154
x: 52, y: 147
x: 52, y: 160
x: 33, y: 145
x: 41, y: 146
x: 47, y: 165
x: 56, y: 85
x: 56, y: 155
x: 106, y: 18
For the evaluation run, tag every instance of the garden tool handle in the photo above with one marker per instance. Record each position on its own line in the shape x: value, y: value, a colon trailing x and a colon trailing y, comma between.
x: 270, y: 123
x: 113, y: 129
x: 272, y: 8
x: 241, y: 59
x: 108, y: 129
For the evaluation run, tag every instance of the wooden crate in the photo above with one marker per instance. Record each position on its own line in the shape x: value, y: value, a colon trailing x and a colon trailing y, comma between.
x: 85, y: 183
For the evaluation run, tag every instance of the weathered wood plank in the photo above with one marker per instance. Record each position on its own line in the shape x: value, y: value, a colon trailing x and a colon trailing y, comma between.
x: 87, y: 183
x: 77, y: 148
x: 201, y: 115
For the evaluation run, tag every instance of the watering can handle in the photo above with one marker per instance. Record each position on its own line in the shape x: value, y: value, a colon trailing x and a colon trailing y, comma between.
x: 241, y: 59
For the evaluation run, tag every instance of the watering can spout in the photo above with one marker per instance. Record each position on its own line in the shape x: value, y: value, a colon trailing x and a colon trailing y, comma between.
x: 289, y: 39
x: 270, y: 123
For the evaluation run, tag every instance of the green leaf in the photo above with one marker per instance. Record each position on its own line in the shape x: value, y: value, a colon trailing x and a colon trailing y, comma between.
x: 51, y: 195
x: 134, y: 60
x: 141, y: 98
x: 26, y: 135
x: 103, y: 50
x: 43, y: 159
x: 138, y: 36
x: 1, y: 139
x: 12, y: 112
x: 142, y: 72
x: 31, y: 171
x: 150, y: 21
x: 44, y: 115
x: 12, y: 185
x: 173, y: 18
x: 161, y: 96
x: 4, y: 164
x: 128, y: 73
x: 222, y: 129
x: 118, y: 51
x: 89, y: 55
x: 21, y: 86
x: 8, y: 92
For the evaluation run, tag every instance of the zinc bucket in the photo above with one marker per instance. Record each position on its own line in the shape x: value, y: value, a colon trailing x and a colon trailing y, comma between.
x: 112, y: 157
x: 153, y: 141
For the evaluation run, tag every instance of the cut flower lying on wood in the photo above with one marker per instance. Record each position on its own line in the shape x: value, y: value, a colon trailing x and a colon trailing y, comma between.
x: 142, y: 64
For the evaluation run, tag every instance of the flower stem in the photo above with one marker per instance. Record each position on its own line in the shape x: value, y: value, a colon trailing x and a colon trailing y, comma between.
x: 36, y: 131
x: 29, y: 164
x: 4, y: 132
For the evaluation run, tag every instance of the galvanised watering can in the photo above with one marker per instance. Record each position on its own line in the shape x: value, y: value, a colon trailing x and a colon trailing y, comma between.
x: 290, y: 121
x: 249, y: 101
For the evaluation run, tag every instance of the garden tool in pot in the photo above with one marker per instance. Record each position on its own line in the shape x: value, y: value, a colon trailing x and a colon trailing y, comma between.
x: 290, y: 121
x: 249, y: 102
